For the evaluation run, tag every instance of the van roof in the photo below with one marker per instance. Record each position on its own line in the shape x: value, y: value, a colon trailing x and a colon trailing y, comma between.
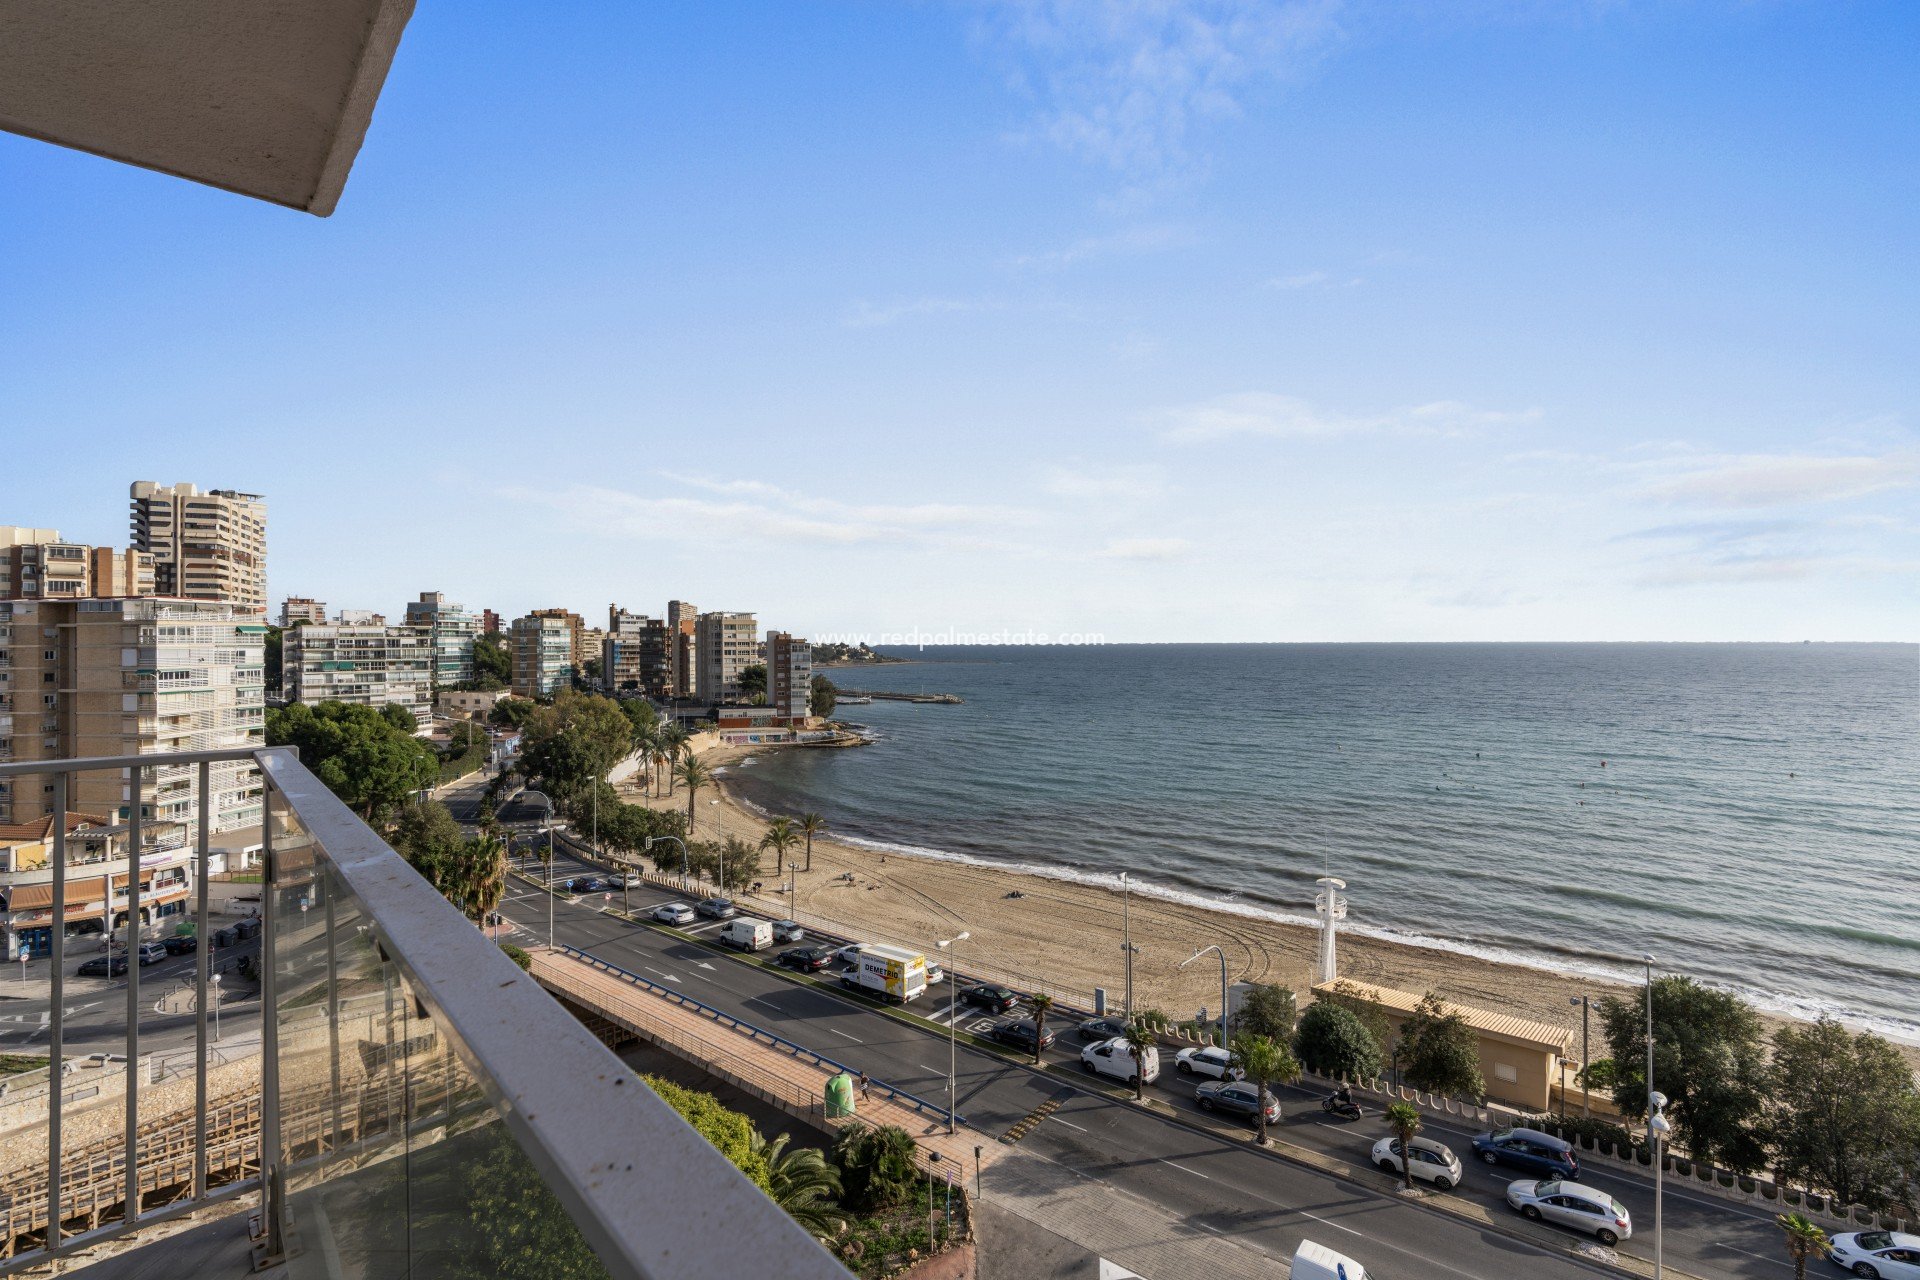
x: 1544, y: 1139
x: 1308, y: 1251
x: 904, y: 954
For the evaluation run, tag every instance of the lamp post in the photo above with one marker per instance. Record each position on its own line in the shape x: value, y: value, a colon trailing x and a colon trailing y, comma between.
x: 216, y: 1008
x: 683, y: 853
x: 953, y: 1017
x: 1586, y: 1056
x: 1223, y: 985
x: 1658, y: 1127
x: 793, y: 885
x: 1126, y: 939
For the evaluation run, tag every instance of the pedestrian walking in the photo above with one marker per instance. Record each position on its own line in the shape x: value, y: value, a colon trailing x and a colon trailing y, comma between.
x: 865, y: 1085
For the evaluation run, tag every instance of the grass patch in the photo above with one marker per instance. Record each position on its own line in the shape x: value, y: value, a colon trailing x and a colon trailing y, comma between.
x: 13, y: 1064
x: 880, y: 1243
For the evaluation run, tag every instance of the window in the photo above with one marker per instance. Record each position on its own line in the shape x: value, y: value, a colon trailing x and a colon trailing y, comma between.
x: 1501, y: 1071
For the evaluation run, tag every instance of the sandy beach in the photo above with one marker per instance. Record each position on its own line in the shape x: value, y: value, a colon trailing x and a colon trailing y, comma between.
x: 1065, y: 937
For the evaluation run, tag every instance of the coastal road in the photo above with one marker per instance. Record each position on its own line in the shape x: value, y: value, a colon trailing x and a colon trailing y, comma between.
x: 1216, y: 1183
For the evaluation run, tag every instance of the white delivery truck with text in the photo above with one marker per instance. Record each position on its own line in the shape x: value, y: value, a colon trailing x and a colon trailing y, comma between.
x: 893, y: 972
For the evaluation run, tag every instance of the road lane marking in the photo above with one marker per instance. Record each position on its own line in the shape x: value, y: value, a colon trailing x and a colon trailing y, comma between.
x: 1195, y: 1172
x: 701, y: 928
x: 1745, y: 1253
x: 1071, y: 1125
x: 1329, y: 1222
x: 837, y: 1031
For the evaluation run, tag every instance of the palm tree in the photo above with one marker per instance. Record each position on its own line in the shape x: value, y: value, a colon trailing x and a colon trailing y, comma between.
x: 1804, y: 1240
x: 696, y: 775
x: 674, y: 740
x: 1265, y: 1060
x: 1138, y: 1039
x: 804, y: 1183
x: 781, y: 836
x: 1404, y: 1119
x: 1042, y: 1004
x: 811, y: 825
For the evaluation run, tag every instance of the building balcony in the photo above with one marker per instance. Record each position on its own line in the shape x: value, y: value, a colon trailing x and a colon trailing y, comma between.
x: 414, y: 1104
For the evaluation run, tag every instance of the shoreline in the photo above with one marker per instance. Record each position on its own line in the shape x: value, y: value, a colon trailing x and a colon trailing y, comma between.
x: 1065, y: 928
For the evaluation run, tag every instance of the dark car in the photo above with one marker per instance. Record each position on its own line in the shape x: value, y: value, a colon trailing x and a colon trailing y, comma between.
x: 1102, y: 1028
x: 805, y: 959
x: 1529, y: 1149
x: 1020, y: 1034
x: 716, y: 908
x: 585, y: 884
x: 991, y: 998
x: 1236, y: 1097
x: 104, y: 966
x: 181, y: 944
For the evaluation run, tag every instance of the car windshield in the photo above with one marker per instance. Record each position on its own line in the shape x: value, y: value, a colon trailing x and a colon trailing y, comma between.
x: 1874, y: 1240
x: 1546, y: 1189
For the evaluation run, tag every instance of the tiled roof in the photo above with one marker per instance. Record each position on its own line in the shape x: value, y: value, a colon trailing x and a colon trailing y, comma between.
x: 1541, y: 1035
x: 42, y: 829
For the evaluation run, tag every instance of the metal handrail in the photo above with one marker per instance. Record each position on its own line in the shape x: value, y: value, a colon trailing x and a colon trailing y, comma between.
x: 810, y: 1056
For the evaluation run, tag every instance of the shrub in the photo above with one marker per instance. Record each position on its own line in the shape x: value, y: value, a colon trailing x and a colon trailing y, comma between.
x: 1333, y: 1042
x: 731, y: 1133
x: 1268, y: 1011
x: 518, y: 956
x: 876, y: 1166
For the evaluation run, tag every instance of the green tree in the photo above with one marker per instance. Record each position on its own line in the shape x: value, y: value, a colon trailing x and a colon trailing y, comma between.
x: 517, y: 955
x: 1404, y: 1119
x: 361, y: 755
x: 1138, y: 1039
x: 1268, y: 1010
x: 821, y: 695
x: 1042, y: 1005
x: 1357, y: 1001
x: 781, y: 836
x: 694, y: 772
x: 805, y: 1184
x: 1804, y: 1240
x: 731, y: 1133
x: 1441, y: 1051
x: 469, y: 873
x: 1266, y: 1061
x: 1845, y: 1113
x: 512, y: 713
x: 1709, y: 1060
x: 572, y: 745
x: 492, y: 660
x: 275, y: 646
x: 753, y: 683
x: 811, y: 825
x: 1332, y: 1041
x: 876, y: 1165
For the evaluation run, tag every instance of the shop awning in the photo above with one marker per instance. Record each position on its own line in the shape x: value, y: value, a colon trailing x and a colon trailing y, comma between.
x: 39, y: 897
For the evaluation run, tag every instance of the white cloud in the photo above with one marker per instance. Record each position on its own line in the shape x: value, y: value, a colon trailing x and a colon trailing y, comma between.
x: 1123, y: 482
x: 1145, y: 549
x: 1775, y: 480
x: 1123, y: 82
x: 1267, y: 415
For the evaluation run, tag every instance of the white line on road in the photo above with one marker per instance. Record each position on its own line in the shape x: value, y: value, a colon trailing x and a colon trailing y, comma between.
x: 1195, y: 1172
x: 1763, y: 1257
x: 1071, y: 1125
x: 837, y: 1031
x: 701, y: 928
x: 1328, y: 1222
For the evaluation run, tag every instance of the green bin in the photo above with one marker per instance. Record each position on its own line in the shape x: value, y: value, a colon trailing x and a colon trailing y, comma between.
x: 839, y: 1095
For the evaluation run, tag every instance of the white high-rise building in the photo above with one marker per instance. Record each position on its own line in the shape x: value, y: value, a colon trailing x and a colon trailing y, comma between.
x: 205, y: 546
x: 725, y: 644
x: 452, y: 630
x: 367, y: 666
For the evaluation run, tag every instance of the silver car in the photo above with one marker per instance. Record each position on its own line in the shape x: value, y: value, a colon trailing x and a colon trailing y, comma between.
x: 1432, y: 1161
x: 673, y: 913
x: 1568, y: 1204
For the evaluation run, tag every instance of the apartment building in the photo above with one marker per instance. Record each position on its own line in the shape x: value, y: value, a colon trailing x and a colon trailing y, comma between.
x: 130, y: 677
x: 96, y: 891
x: 725, y: 644
x: 38, y: 564
x: 205, y: 546
x: 682, y: 669
x: 491, y: 623
x: 300, y: 609
x: 543, y: 647
x: 789, y: 676
x: 635, y: 657
x: 360, y: 618
x: 452, y: 631
x: 368, y: 666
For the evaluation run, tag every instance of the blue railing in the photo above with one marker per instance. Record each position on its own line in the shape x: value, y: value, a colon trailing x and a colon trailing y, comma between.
x: 761, y: 1034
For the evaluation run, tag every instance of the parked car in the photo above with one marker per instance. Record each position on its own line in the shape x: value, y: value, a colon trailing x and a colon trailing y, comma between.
x: 104, y: 966
x: 788, y: 931
x: 673, y: 913
x: 849, y: 953
x: 152, y: 953
x: 616, y: 881
x: 1236, y: 1097
x: 1020, y: 1033
x: 1891, y: 1255
x: 805, y: 959
x: 1115, y: 1058
x: 1432, y: 1161
x: 181, y: 944
x: 1102, y: 1028
x: 1530, y: 1150
x: 994, y: 999
x: 1214, y: 1063
x: 935, y: 974
x: 1568, y: 1204
x: 585, y: 884
x: 746, y: 935
x: 717, y: 908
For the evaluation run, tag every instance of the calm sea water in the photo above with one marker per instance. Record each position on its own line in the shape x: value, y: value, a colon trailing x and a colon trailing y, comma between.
x: 1748, y: 813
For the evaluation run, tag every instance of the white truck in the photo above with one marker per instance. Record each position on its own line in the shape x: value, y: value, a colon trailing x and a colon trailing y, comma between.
x: 1317, y: 1262
x: 893, y: 972
x: 1115, y: 1058
x: 747, y: 935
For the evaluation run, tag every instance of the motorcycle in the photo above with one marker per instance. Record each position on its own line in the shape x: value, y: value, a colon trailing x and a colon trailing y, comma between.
x: 1346, y: 1110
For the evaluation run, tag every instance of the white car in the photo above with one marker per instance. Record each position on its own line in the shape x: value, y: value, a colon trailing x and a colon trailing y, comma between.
x: 1891, y: 1255
x: 849, y: 953
x: 1216, y: 1064
x: 1568, y: 1204
x: 935, y: 973
x: 787, y: 931
x: 1432, y: 1161
x: 673, y: 913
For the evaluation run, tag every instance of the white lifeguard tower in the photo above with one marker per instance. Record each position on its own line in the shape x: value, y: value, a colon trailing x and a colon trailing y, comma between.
x: 1330, y: 904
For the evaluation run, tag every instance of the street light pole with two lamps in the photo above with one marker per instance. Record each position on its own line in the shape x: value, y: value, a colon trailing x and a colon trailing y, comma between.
x: 951, y: 947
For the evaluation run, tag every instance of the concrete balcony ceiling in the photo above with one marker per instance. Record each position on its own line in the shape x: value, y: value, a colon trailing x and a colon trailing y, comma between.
x: 269, y: 98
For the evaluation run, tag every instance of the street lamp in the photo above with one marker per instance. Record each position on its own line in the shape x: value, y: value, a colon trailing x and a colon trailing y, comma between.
x: 683, y: 853
x: 1658, y: 1127
x: 793, y: 885
x: 216, y: 1008
x: 1223, y: 985
x: 953, y: 1018
x: 1126, y: 938
x: 1586, y: 1058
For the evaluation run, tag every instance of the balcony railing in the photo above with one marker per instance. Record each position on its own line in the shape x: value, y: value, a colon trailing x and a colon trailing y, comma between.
x: 417, y: 1104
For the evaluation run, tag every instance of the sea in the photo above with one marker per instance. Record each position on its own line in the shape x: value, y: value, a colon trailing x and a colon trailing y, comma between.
x: 1749, y: 814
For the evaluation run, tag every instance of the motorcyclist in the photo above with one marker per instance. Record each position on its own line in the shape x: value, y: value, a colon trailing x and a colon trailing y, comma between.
x: 1343, y: 1097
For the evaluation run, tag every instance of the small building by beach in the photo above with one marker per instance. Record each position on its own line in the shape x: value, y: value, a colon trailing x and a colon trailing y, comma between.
x: 1520, y: 1059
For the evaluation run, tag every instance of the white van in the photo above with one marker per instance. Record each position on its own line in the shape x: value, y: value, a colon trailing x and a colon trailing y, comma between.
x: 748, y: 935
x: 1115, y: 1058
x: 1317, y: 1262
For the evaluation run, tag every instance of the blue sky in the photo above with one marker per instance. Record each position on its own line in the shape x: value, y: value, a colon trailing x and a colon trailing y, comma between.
x: 1156, y: 321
